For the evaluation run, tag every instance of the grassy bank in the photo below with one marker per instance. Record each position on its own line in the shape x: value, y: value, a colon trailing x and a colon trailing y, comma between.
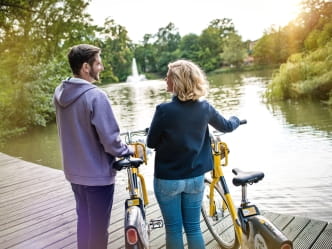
x: 244, y: 68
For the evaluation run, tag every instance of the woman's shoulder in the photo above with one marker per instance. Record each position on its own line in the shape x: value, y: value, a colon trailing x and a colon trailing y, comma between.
x: 165, y: 104
x: 176, y: 103
x: 204, y: 103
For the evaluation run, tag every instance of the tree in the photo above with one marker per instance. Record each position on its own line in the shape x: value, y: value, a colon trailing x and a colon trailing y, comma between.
x: 314, y: 15
x: 190, y: 47
x: 35, y: 36
x: 167, y: 43
x: 274, y: 47
x: 307, y: 74
x: 116, y: 52
x: 212, y: 42
x: 305, y: 33
x: 233, y: 51
x: 146, y: 54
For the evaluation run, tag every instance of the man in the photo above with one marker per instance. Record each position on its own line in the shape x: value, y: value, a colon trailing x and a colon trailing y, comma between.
x: 89, y: 137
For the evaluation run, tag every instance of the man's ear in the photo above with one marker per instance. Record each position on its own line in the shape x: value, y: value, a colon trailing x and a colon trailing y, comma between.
x: 86, y: 67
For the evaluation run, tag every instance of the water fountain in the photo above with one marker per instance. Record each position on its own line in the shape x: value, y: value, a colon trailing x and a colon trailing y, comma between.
x: 135, y: 77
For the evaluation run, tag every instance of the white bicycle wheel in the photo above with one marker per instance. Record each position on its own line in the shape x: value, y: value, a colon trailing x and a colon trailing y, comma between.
x: 220, y: 224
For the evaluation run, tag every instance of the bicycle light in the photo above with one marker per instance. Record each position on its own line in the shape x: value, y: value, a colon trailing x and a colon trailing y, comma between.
x: 132, y: 236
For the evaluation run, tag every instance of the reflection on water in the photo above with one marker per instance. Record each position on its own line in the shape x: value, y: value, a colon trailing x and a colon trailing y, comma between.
x: 134, y: 103
x: 290, y: 142
x: 306, y: 117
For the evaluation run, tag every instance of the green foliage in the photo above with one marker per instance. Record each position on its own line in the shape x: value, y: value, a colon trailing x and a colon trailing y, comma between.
x: 156, y: 51
x: 307, y: 74
x: 274, y: 47
x: 166, y: 44
x: 35, y: 36
x: 116, y: 52
x: 318, y: 38
x: 190, y: 47
x: 212, y: 41
x: 310, y: 30
x: 234, y: 51
x: 304, y: 76
x: 146, y: 54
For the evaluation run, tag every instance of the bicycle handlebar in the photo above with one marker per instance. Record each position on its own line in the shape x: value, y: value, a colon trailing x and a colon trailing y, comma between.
x: 130, y: 134
x: 243, y: 121
x: 214, y: 135
x: 137, y: 132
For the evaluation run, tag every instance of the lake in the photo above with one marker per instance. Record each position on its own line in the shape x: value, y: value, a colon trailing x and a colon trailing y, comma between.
x: 290, y: 141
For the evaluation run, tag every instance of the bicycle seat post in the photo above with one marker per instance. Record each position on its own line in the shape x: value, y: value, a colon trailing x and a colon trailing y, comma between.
x: 131, y: 183
x: 244, y: 200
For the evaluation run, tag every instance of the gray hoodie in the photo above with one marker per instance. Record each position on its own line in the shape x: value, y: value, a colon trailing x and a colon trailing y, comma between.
x: 89, y: 133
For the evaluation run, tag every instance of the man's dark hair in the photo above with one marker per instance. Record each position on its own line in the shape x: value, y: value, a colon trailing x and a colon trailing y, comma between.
x: 80, y: 54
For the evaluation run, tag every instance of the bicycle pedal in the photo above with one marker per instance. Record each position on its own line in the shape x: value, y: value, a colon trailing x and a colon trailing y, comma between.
x: 156, y: 223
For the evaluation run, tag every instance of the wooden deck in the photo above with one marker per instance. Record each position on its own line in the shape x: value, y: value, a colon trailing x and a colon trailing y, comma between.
x: 37, y: 210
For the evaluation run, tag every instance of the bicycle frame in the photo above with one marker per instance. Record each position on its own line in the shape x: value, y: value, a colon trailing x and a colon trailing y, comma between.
x: 134, y: 172
x: 250, y: 227
x: 220, y: 154
x: 137, y: 230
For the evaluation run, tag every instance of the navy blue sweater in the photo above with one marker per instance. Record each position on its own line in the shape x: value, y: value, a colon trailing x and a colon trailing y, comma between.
x: 179, y: 134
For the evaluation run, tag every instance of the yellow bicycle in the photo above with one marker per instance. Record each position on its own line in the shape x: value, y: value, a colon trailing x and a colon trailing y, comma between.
x: 232, y: 227
x: 136, y: 227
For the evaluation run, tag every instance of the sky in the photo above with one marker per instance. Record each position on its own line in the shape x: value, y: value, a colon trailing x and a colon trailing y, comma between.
x: 250, y: 17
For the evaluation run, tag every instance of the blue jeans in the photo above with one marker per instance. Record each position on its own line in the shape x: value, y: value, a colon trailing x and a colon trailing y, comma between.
x: 180, y: 204
x: 93, y: 207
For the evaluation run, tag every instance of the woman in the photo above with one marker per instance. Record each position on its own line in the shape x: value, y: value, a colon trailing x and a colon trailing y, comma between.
x: 179, y: 134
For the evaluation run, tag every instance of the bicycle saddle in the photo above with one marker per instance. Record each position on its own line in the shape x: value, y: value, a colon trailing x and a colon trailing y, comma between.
x: 127, y: 162
x: 242, y: 177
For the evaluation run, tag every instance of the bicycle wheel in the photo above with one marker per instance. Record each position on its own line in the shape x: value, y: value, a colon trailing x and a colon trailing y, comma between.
x: 221, y: 223
x: 137, y: 231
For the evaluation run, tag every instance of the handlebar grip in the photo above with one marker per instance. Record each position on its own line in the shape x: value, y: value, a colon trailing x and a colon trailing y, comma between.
x: 243, y: 121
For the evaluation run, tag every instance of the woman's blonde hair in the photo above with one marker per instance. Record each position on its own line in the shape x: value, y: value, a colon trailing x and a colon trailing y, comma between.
x: 189, y: 81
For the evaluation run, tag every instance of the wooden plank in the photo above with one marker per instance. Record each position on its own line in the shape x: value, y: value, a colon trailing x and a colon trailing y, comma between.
x: 16, y: 170
x: 67, y: 242
x: 270, y: 215
x: 38, y: 201
x: 29, y: 192
x: 48, y: 237
x: 25, y: 185
x: 37, y: 210
x: 295, y: 227
x: 4, y: 158
x: 308, y: 236
x: 23, y: 220
x: 35, y: 228
x: 282, y: 221
x: 324, y: 240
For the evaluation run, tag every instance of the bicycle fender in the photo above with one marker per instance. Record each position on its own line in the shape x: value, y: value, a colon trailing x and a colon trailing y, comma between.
x: 263, y: 234
x: 134, y: 219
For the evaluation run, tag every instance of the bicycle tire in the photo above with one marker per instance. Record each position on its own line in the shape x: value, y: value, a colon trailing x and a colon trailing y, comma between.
x: 221, y: 224
x: 134, y: 219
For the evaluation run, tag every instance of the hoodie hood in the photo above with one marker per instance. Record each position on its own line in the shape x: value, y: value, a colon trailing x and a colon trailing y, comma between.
x: 70, y: 90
